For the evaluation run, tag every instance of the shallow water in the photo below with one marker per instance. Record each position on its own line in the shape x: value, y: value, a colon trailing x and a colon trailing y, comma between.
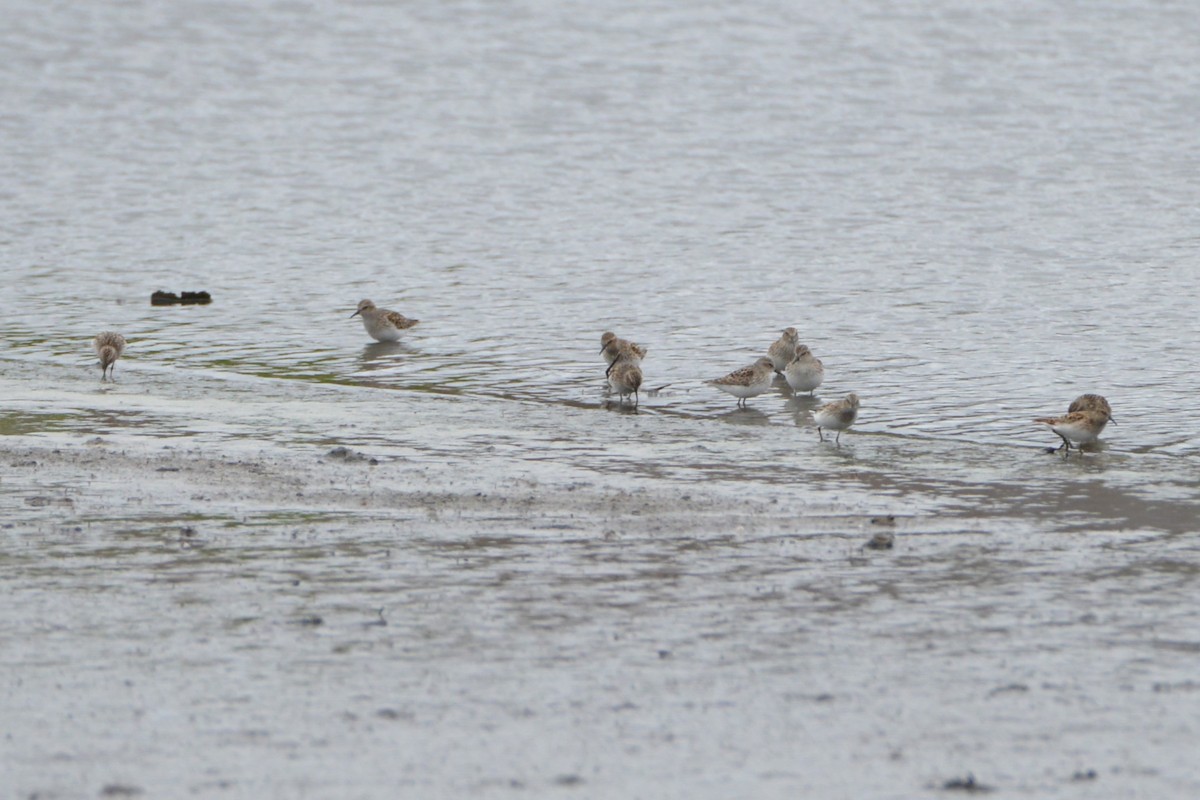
x: 972, y: 214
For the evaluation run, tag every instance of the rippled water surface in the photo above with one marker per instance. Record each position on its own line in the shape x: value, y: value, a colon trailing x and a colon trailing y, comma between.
x: 972, y: 212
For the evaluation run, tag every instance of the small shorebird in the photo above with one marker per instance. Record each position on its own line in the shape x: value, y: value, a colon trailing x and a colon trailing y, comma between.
x: 381, y: 324
x: 1093, y: 402
x: 783, y: 349
x: 1090, y: 402
x: 612, y: 347
x: 748, y: 381
x: 805, y: 372
x: 108, y: 346
x: 1081, y: 427
x: 837, y: 416
x: 625, y: 377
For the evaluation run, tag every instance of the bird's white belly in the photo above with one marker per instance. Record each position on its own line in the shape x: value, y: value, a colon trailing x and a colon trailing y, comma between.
x: 803, y: 379
x: 382, y: 331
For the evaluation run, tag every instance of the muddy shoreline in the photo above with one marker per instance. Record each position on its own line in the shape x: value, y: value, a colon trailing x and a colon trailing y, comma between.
x: 239, y: 618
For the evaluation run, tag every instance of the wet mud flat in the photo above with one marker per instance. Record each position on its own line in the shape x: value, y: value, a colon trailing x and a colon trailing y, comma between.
x: 261, y: 620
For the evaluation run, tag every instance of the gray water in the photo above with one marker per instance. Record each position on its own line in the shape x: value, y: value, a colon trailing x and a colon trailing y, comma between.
x: 972, y: 212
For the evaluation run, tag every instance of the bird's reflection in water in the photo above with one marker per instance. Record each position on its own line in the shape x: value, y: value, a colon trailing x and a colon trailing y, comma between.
x: 745, y: 416
x: 613, y: 404
x: 382, y: 354
x: 802, y: 405
x: 780, y: 387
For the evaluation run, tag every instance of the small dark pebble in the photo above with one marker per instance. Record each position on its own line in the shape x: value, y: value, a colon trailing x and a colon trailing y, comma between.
x: 342, y: 453
x: 568, y: 780
x: 167, y: 469
x: 312, y: 621
x: 967, y: 784
x: 880, y: 541
x: 664, y: 653
x: 393, y: 714
x: 1182, y: 686
x: 1084, y: 775
x: 120, y: 790
x: 890, y: 519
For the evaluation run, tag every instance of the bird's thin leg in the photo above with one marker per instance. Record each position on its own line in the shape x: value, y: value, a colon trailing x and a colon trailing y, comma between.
x: 820, y: 435
x: 838, y: 439
x: 636, y: 399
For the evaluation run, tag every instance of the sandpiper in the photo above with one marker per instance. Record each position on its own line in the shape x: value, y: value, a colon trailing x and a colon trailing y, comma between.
x: 612, y: 347
x: 625, y: 377
x: 805, y: 372
x: 748, y: 381
x: 783, y: 349
x: 1081, y: 427
x: 836, y: 416
x: 108, y: 346
x: 381, y: 324
x: 1093, y: 402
